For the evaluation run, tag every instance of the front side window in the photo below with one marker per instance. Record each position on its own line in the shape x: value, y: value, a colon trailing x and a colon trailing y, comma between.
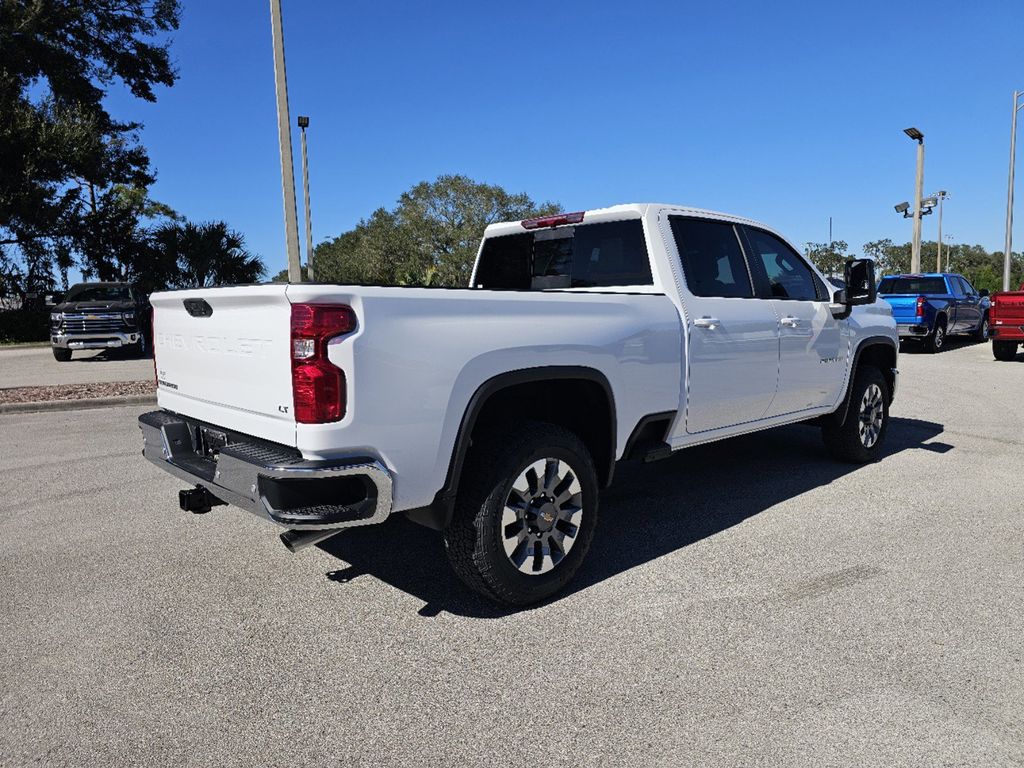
x: 711, y: 257
x: 968, y: 287
x: 608, y: 254
x: 788, y: 276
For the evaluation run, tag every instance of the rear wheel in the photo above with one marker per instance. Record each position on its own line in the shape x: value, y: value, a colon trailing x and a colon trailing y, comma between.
x: 936, y: 340
x: 525, y: 513
x: 981, y: 332
x: 1004, y: 350
x: 860, y: 436
x: 61, y: 355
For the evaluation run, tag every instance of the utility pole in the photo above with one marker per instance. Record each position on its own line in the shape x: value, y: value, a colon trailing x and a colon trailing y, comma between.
x: 284, y: 135
x: 942, y: 195
x: 303, y: 125
x: 915, y: 253
x: 1009, y: 193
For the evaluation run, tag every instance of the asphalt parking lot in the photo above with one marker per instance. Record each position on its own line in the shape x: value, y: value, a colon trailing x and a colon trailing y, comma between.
x: 745, y: 603
x: 35, y: 366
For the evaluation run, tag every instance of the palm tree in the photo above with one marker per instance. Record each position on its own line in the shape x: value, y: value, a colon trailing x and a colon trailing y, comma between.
x: 203, y: 255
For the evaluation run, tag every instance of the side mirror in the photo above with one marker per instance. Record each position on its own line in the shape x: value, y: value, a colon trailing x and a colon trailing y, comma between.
x: 983, y: 292
x: 859, y: 276
x: 860, y: 282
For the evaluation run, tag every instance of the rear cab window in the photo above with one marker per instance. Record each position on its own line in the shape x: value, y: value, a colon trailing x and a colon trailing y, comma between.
x: 916, y: 285
x: 600, y: 255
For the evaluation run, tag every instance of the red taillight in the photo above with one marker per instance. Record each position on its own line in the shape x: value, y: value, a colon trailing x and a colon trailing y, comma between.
x: 920, y: 306
x: 318, y: 387
x: 553, y: 221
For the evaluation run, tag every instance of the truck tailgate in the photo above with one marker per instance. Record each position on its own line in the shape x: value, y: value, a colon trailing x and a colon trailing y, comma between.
x: 1009, y: 308
x: 222, y: 355
x: 904, y: 308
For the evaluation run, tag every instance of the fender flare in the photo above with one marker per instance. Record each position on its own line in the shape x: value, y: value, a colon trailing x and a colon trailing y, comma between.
x: 869, y: 341
x: 438, y: 513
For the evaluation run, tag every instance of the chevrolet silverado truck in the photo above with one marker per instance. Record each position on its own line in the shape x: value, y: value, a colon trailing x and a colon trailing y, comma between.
x: 99, y: 316
x: 935, y: 305
x: 497, y: 413
x: 1007, y: 323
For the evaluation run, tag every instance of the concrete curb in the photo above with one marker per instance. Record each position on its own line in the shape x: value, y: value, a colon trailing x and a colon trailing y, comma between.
x: 77, y: 405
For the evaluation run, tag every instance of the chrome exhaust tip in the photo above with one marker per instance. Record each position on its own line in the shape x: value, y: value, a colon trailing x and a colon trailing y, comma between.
x: 297, y: 540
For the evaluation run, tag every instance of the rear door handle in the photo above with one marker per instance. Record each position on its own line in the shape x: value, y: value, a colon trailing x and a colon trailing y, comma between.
x: 707, y: 322
x: 790, y: 322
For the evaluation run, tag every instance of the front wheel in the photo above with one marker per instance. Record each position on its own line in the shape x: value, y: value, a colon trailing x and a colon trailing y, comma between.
x: 981, y: 332
x: 1004, y: 350
x: 61, y: 355
x: 859, y: 437
x: 525, y: 513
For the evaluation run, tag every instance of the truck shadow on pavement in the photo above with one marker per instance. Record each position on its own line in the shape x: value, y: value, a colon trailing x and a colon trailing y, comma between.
x: 668, y: 505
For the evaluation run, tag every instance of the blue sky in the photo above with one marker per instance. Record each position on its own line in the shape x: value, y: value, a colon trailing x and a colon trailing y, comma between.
x: 787, y: 112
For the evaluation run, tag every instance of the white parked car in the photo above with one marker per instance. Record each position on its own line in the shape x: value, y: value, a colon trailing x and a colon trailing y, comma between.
x: 498, y: 412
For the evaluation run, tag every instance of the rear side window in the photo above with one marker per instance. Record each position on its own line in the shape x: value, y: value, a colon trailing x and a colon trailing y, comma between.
x: 788, y: 276
x: 915, y: 285
x: 585, y: 256
x: 711, y: 257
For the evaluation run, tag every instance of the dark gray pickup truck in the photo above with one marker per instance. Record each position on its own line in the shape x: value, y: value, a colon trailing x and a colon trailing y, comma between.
x: 100, y: 316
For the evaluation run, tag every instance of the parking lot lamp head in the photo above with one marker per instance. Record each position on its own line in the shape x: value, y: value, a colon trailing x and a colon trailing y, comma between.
x: 913, y: 133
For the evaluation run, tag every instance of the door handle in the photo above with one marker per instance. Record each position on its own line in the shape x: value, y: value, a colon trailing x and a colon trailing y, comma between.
x: 707, y: 322
x: 790, y: 322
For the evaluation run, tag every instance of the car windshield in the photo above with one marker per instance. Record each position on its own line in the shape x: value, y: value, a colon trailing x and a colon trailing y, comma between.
x: 916, y: 285
x: 99, y: 293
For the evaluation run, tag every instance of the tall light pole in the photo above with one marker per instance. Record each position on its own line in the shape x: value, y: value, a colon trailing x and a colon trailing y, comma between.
x: 948, y: 249
x: 942, y: 195
x: 284, y: 135
x: 915, y: 252
x: 303, y: 125
x: 1009, y: 193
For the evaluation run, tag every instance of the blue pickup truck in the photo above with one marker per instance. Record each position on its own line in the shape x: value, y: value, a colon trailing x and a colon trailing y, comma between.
x: 935, y: 305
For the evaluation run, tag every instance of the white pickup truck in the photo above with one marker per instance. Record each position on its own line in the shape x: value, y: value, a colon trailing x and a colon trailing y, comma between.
x: 497, y: 413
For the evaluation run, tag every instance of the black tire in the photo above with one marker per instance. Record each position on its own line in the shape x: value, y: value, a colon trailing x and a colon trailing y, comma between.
x: 474, y: 540
x: 936, y: 340
x: 1004, y: 350
x: 61, y: 355
x: 847, y: 441
x: 139, y: 349
x: 981, y: 332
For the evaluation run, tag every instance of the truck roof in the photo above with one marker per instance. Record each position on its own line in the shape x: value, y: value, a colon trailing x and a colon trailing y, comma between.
x: 626, y: 211
x: 925, y: 274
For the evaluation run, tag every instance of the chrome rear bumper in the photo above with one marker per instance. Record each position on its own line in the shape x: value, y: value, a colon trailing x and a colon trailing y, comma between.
x: 269, y: 480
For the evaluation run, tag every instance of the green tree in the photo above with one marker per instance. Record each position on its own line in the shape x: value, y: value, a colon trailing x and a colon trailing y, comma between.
x: 60, y: 150
x: 830, y: 258
x: 890, y: 259
x: 188, y: 255
x: 430, y: 237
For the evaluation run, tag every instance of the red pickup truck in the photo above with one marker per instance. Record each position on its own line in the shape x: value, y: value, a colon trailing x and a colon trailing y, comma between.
x: 1006, y: 326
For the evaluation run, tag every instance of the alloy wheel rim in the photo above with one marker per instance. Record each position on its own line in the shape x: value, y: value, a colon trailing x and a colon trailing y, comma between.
x: 871, y: 416
x: 541, y: 517
x: 939, y: 336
